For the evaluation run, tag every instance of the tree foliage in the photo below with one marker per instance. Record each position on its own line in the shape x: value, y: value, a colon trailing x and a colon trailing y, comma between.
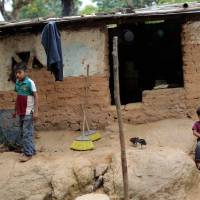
x: 16, y: 6
x: 174, y: 1
x: 38, y: 8
x: 41, y: 8
x: 88, y: 10
x: 109, y: 5
x: 46, y: 8
x: 49, y: 8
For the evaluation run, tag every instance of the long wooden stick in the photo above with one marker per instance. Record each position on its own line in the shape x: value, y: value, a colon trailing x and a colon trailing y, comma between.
x: 86, y: 96
x: 86, y: 121
x: 118, y: 108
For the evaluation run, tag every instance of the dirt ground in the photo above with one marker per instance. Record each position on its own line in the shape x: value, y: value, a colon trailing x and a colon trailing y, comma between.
x: 175, y: 133
x: 54, y: 145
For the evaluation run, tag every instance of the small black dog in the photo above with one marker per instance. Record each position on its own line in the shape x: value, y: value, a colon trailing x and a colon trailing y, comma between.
x: 137, y: 140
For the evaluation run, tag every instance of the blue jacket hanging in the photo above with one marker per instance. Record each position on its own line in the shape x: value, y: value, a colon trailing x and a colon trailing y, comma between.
x: 52, y: 44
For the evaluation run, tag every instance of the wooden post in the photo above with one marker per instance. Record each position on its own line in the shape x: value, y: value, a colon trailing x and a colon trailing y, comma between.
x: 118, y: 108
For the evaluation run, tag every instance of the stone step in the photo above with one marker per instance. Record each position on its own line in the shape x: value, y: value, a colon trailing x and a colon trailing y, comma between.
x: 93, y: 196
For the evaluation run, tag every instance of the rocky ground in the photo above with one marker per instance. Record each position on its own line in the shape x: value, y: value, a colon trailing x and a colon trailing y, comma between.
x: 163, y: 170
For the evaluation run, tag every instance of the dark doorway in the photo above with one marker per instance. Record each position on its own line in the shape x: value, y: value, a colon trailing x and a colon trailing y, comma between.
x: 149, y: 54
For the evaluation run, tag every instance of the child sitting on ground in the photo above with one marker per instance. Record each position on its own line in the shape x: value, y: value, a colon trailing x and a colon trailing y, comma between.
x: 196, y: 132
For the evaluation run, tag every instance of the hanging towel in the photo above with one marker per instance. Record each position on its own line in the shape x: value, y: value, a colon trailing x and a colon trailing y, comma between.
x: 52, y: 44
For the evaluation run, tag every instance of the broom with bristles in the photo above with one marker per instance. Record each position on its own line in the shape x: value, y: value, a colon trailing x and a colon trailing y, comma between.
x: 92, y: 134
x: 83, y: 142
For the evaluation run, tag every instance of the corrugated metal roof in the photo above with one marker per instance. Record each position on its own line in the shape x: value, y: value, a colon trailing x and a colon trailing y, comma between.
x: 154, y: 12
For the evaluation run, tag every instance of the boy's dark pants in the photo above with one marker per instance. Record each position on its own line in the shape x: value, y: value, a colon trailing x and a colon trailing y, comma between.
x: 197, y: 151
x: 26, y: 134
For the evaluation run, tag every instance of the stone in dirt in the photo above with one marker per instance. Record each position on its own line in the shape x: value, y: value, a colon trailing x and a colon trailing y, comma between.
x: 93, y: 197
x: 156, y: 174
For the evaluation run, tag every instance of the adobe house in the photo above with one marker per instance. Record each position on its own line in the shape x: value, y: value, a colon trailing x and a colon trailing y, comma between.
x: 159, y: 55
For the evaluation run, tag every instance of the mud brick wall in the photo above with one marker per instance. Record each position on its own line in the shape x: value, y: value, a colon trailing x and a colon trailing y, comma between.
x: 60, y: 102
x: 191, y: 62
x: 7, y: 99
x: 165, y: 103
x: 176, y: 102
x: 155, y: 105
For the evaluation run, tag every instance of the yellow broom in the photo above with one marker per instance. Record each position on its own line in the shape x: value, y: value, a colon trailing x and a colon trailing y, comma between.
x: 83, y: 142
x: 92, y: 134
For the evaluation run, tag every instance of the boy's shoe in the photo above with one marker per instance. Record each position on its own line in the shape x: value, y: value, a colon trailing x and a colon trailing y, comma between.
x: 198, y: 165
x: 18, y: 150
x: 8, y: 148
x: 15, y: 149
x: 4, y: 149
x: 24, y: 158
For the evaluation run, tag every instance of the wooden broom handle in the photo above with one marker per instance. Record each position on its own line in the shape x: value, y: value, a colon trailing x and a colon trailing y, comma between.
x: 83, y: 122
x: 86, y: 95
x: 87, y: 84
x: 85, y: 117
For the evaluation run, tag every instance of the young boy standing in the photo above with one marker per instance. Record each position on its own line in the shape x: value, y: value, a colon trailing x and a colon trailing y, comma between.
x: 26, y: 107
x: 196, y: 132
